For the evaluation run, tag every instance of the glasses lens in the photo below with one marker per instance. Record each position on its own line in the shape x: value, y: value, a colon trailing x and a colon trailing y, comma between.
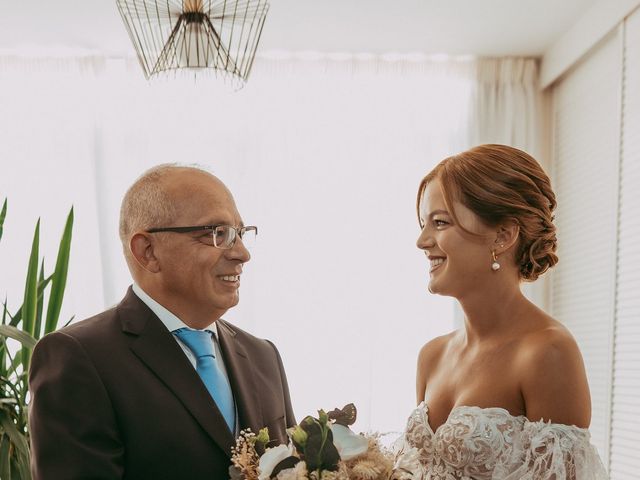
x: 249, y: 237
x: 224, y: 236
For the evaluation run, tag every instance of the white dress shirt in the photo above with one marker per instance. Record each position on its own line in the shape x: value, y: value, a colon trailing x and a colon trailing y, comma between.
x: 174, y: 323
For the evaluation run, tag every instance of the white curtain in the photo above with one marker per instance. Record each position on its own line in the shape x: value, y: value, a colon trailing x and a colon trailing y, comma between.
x: 507, y: 103
x: 509, y: 108
x: 324, y: 153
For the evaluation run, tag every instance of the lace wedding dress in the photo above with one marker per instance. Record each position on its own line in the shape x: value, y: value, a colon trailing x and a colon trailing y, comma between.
x: 490, y: 444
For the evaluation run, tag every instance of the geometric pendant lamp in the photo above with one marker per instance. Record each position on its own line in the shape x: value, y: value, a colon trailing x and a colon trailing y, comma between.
x: 220, y: 36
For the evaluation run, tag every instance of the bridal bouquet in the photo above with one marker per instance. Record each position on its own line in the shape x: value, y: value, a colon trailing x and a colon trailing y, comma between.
x: 322, y: 448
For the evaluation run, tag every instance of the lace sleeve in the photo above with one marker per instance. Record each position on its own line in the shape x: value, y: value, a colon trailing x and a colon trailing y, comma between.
x: 551, y: 451
x: 406, y: 461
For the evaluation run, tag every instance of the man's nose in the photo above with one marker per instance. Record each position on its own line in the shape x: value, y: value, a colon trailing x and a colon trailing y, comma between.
x: 238, y: 251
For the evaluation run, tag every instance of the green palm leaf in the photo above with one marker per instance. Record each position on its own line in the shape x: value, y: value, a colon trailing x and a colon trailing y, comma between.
x: 23, y: 337
x: 38, y: 325
x: 17, y: 439
x: 3, y: 214
x: 59, y: 280
x: 30, y: 302
x: 3, y: 352
x: 15, y: 319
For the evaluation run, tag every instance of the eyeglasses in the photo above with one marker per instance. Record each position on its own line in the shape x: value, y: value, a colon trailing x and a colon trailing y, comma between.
x: 223, y: 236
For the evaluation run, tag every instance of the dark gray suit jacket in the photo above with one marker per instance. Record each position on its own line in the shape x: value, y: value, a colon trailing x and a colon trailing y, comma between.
x: 114, y: 396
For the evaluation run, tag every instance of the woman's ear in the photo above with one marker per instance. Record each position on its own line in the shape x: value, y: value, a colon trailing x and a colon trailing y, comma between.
x: 506, y: 236
x: 142, y: 249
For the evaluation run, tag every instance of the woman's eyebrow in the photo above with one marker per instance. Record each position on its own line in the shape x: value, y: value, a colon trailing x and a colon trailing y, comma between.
x: 436, y: 212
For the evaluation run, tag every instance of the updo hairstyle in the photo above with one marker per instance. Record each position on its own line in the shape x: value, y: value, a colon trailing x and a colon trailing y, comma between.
x: 499, y: 184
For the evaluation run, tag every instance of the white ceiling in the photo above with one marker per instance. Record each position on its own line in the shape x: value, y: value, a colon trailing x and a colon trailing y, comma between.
x: 480, y: 27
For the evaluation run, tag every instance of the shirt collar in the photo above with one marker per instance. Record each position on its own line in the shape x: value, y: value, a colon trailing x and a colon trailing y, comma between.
x: 171, y: 321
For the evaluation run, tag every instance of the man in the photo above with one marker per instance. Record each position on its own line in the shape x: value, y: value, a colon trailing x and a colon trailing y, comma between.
x: 159, y: 386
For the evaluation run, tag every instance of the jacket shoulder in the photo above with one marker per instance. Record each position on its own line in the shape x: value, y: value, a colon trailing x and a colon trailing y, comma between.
x: 246, y: 338
x: 97, y: 325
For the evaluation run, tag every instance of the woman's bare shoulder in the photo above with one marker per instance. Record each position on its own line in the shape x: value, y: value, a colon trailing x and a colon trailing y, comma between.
x: 432, y: 351
x: 554, y: 383
x: 429, y: 359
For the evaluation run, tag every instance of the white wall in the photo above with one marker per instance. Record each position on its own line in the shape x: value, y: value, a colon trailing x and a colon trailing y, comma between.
x: 323, y: 154
x: 594, y: 289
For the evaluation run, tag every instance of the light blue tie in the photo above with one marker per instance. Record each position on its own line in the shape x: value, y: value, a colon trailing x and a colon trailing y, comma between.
x: 200, y: 342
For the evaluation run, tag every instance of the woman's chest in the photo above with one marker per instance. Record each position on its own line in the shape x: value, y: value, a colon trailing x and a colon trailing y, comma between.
x: 469, y: 444
x: 486, y: 381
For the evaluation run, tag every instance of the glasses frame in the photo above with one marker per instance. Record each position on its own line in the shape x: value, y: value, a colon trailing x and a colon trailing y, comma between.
x: 239, y: 231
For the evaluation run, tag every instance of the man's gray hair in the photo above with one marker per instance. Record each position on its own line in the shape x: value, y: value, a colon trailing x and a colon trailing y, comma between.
x: 146, y: 204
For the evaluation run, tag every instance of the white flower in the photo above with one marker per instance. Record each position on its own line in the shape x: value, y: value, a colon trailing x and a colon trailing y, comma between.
x: 299, y: 472
x: 349, y: 444
x: 271, y: 458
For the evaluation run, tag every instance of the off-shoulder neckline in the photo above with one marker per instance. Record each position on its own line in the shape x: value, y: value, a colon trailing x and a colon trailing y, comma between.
x: 523, y: 418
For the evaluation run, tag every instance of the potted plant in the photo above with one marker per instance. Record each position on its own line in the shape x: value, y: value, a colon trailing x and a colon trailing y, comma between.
x: 26, y: 325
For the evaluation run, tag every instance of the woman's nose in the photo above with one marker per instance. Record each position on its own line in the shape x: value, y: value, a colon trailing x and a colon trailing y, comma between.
x: 425, y: 240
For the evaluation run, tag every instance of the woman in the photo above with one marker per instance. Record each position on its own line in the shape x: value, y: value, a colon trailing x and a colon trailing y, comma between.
x: 506, y: 396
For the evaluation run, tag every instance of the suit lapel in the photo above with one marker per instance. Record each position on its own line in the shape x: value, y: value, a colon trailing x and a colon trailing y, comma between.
x: 241, y: 377
x: 158, y: 350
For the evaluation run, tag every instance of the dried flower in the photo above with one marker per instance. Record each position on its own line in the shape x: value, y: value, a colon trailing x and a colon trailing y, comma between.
x: 244, y: 457
x: 319, y: 450
x: 375, y: 464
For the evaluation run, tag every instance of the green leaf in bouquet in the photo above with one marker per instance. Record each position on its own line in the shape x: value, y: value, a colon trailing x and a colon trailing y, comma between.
x: 298, y: 437
x: 323, y: 418
x: 330, y: 457
x: 289, y: 462
x: 308, y: 427
x: 263, y: 436
x: 319, y: 451
x: 59, y: 280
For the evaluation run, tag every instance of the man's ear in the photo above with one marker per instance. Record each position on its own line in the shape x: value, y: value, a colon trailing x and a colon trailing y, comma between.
x: 142, y: 249
x: 507, y: 236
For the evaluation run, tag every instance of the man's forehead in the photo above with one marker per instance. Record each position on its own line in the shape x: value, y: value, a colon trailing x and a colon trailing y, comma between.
x: 211, y: 209
x: 203, y: 197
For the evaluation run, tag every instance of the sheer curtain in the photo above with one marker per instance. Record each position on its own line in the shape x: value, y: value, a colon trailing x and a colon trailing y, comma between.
x: 507, y: 103
x: 323, y: 152
x: 509, y: 108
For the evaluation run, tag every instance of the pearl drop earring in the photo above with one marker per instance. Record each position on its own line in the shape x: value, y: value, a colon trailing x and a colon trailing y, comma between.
x: 495, y: 266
